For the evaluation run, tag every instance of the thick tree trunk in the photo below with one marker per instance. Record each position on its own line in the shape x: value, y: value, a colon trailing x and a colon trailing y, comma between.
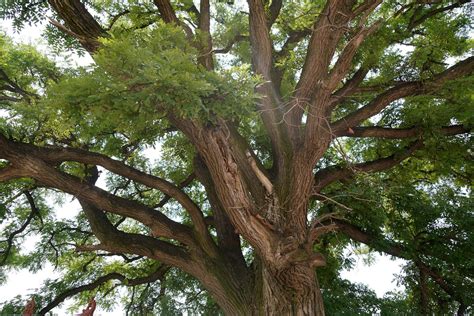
x: 424, y: 295
x: 292, y: 291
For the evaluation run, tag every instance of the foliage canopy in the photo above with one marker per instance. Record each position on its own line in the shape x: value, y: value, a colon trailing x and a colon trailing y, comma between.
x: 288, y: 132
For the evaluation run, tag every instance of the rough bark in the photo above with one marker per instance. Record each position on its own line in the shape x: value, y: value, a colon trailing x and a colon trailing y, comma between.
x: 266, y: 208
x: 292, y: 291
x: 79, y: 23
x: 424, y: 294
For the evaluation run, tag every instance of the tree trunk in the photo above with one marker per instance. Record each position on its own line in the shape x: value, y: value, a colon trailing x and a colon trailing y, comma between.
x: 424, y: 295
x: 291, y: 291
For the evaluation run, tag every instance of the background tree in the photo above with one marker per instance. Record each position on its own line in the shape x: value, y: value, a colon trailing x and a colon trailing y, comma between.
x: 287, y: 130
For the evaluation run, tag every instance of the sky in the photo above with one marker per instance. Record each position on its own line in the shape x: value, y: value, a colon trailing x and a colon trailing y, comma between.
x: 379, y: 276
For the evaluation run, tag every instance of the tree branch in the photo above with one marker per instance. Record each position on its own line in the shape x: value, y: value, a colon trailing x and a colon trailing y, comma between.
x: 403, y: 90
x: 192, y: 260
x: 116, y: 17
x: 344, y: 62
x: 294, y: 37
x: 116, y: 241
x: 158, y: 274
x: 417, y: 21
x: 34, y: 212
x: 329, y: 175
x: 205, y: 27
x: 353, y: 84
x: 237, y: 38
x: 169, y: 16
x: 182, y: 185
x: 227, y: 238
x: 9, y: 99
x: 361, y: 236
x: 12, y: 86
x: 9, y: 173
x: 249, y: 173
x: 167, y: 12
x: 274, y: 11
x: 326, y: 33
x: 80, y: 23
x: 57, y: 154
x: 270, y: 103
x: 219, y: 152
x: 399, y: 133
x: 313, y: 89
x: 348, y: 88
x: 33, y: 167
x: 260, y: 39
x: 396, y: 250
x: 318, y: 115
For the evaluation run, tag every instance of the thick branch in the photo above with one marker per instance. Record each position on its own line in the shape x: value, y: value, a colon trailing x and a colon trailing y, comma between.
x: 228, y: 240
x: 158, y: 274
x: 326, y: 33
x: 182, y: 185
x: 9, y: 173
x: 116, y: 241
x: 260, y: 39
x: 348, y: 88
x: 318, y: 116
x: 415, y: 21
x: 213, y: 271
x: 403, y: 90
x: 8, y: 99
x: 31, y: 166
x: 274, y: 11
x: 438, y: 278
x: 423, y: 287
x: 249, y: 172
x: 262, y: 61
x: 399, y: 133
x: 359, y: 235
x: 205, y: 27
x: 169, y: 16
x: 344, y: 62
x: 166, y: 11
x: 220, y: 154
x: 79, y: 22
x: 329, y: 175
x: 56, y: 155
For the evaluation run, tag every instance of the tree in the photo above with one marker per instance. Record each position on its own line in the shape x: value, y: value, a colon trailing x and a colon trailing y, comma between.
x: 288, y: 129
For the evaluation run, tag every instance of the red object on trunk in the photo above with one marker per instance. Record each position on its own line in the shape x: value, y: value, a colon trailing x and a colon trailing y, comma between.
x: 29, y: 308
x: 89, y: 311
